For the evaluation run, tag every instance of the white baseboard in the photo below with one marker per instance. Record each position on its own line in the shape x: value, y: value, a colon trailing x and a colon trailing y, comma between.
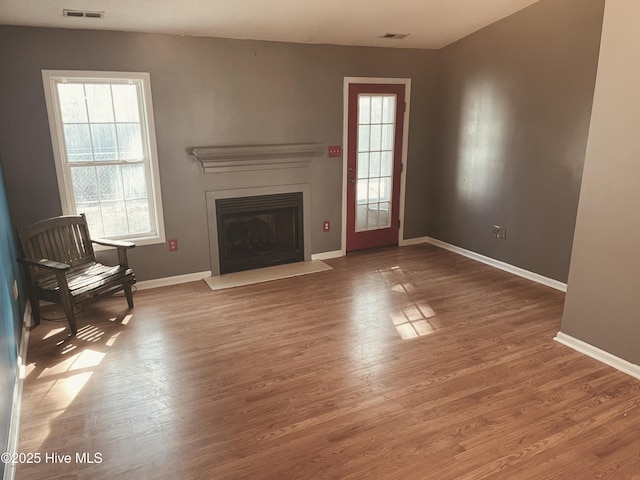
x: 166, y: 281
x: 598, y: 354
x: 327, y: 255
x: 194, y: 277
x: 413, y: 241
x: 521, y: 272
x: 14, y: 428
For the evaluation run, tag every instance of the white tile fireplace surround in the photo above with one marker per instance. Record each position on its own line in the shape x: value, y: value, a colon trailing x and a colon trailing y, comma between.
x: 246, y: 171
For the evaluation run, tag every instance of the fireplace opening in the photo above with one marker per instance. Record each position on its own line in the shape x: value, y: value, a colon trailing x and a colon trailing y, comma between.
x: 259, y: 231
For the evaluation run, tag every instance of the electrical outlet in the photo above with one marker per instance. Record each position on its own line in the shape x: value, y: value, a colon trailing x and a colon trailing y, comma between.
x: 173, y: 244
x: 326, y: 226
x: 499, y: 232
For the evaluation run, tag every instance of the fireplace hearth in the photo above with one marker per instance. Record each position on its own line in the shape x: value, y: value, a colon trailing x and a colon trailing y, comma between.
x: 259, y: 231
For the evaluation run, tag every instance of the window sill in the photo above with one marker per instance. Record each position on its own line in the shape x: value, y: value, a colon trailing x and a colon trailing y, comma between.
x: 139, y: 241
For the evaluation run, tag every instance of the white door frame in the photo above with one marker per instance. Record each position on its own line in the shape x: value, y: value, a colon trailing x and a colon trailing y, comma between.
x: 405, y: 141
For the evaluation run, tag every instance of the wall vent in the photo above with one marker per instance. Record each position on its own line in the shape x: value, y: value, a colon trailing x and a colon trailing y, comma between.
x: 81, y: 14
x: 395, y: 36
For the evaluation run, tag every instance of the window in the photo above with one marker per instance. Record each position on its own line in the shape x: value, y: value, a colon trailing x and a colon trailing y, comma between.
x: 103, y: 140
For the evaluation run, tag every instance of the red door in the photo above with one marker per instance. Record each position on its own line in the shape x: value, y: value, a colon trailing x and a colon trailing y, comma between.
x: 374, y: 164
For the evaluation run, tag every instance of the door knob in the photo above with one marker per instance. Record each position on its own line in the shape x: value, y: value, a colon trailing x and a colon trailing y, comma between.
x: 351, y: 169
x: 352, y: 181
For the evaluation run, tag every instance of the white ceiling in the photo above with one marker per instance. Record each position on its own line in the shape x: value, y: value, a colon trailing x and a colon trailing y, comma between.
x: 429, y: 23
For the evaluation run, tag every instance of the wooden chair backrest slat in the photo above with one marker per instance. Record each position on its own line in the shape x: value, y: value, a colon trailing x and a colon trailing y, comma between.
x: 62, y: 239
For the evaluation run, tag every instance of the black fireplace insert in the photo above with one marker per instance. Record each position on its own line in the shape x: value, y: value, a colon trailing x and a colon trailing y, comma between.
x: 259, y: 231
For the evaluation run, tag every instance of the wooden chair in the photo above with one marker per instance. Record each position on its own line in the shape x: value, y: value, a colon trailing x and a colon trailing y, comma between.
x: 60, y: 266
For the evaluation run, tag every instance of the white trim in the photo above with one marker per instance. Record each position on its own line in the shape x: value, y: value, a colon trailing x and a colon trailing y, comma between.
x: 175, y: 280
x: 14, y: 428
x: 238, y: 158
x: 413, y: 241
x: 327, y: 255
x: 598, y: 354
x: 345, y: 139
x: 521, y: 272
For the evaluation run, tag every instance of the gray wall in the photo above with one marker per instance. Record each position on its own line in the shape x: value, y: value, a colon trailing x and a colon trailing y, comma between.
x: 205, y: 92
x: 514, y: 116
x: 498, y: 126
x: 602, y: 305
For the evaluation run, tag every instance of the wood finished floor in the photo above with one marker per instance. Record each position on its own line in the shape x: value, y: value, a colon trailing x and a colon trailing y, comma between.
x: 410, y: 363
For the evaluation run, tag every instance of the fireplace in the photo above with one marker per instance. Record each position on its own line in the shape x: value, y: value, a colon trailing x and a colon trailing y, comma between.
x: 259, y: 231
x: 255, y: 173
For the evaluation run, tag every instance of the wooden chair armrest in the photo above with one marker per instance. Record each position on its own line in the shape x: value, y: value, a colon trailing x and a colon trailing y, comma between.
x: 113, y: 243
x: 122, y: 247
x: 45, y: 263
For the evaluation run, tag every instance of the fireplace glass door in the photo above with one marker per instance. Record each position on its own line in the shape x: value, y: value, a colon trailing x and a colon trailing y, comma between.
x: 259, y: 231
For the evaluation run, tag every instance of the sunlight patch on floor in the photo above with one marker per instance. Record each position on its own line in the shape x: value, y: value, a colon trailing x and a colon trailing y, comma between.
x: 53, y: 332
x: 411, y: 321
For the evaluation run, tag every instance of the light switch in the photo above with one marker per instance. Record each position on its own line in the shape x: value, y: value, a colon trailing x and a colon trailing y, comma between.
x: 334, y: 151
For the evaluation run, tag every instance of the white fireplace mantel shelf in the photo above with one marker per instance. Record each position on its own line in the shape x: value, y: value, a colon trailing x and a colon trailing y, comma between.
x: 237, y: 158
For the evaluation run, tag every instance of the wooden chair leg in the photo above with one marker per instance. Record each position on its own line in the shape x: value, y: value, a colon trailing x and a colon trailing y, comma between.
x: 33, y: 297
x: 129, y: 295
x: 35, y: 310
x: 68, y: 310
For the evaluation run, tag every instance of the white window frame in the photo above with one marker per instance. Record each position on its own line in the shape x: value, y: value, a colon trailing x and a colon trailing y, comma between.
x: 50, y: 79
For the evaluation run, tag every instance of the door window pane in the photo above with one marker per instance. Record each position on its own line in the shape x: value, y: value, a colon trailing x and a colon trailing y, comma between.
x: 372, y: 216
x: 362, y: 191
x: 374, y: 164
x: 385, y: 189
x: 386, y: 164
x: 376, y: 138
x: 363, y: 165
x: 364, y: 110
x: 361, y: 217
x: 363, y: 138
x: 374, y: 190
x: 376, y: 109
x: 383, y: 218
x: 387, y: 137
x: 388, y: 109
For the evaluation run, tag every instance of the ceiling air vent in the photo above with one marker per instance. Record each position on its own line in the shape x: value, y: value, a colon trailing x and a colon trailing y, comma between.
x: 395, y: 36
x: 82, y: 14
